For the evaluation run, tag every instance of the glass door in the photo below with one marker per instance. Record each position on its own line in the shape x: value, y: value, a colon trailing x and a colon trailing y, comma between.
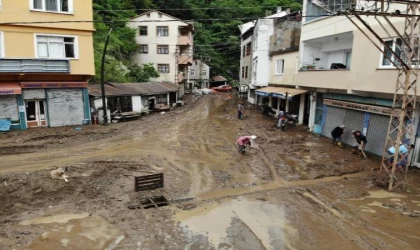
x: 35, y: 113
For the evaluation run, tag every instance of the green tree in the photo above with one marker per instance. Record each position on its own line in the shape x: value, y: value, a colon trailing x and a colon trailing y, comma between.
x: 142, y: 73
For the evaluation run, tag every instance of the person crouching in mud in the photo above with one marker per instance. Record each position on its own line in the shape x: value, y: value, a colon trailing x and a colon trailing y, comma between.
x: 244, y: 141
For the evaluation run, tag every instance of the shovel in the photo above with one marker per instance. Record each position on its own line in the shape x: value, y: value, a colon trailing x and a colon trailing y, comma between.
x: 363, y: 152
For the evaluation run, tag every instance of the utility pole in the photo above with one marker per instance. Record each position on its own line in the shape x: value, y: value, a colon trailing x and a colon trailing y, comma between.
x: 102, y: 77
x: 402, y: 118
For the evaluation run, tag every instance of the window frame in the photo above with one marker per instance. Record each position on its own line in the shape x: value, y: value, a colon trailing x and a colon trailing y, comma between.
x: 203, y: 72
x: 243, y: 72
x: 163, y: 64
x: 246, y: 72
x: 69, y: 12
x: 143, y: 46
x: 248, y: 49
x: 147, y: 30
x: 158, y: 49
x: 277, y: 70
x: 76, y: 46
x: 167, y: 30
x: 192, y: 72
x: 2, y: 45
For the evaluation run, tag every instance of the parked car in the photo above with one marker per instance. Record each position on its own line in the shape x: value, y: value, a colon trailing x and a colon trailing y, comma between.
x: 223, y: 88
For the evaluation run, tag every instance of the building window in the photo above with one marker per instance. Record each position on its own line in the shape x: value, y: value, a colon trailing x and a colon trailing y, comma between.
x: 64, y: 6
x: 2, y: 44
x: 143, y: 30
x: 163, y: 68
x: 248, y: 49
x: 192, y: 72
x: 143, y: 49
x: 204, y: 72
x: 243, y: 51
x: 160, y: 15
x: 56, y: 47
x: 162, y: 31
x: 396, y: 46
x: 246, y: 72
x: 279, y: 67
x: 163, y: 49
x: 243, y: 72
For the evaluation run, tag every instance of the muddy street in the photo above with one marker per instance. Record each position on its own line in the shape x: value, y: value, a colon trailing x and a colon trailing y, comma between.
x: 293, y: 191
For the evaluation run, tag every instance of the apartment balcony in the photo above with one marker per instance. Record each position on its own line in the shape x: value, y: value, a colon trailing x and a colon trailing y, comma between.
x: 185, y: 59
x: 180, y: 77
x: 34, y: 66
x: 184, y: 40
x: 337, y: 79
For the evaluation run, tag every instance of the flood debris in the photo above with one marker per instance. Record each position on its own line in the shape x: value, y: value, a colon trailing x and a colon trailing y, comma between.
x: 59, y: 174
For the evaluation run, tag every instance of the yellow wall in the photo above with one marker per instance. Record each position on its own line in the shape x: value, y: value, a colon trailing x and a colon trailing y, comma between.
x: 289, y: 75
x: 19, y: 11
x: 19, y: 40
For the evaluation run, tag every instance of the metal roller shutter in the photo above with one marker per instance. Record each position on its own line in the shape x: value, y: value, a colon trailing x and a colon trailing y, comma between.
x: 31, y: 94
x: 65, y: 107
x: 353, y: 120
x: 335, y: 117
x: 377, y: 133
x: 9, y: 107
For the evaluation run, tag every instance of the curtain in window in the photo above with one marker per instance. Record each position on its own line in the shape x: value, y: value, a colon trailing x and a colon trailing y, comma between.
x: 56, y: 47
x: 51, y: 5
x: 37, y: 4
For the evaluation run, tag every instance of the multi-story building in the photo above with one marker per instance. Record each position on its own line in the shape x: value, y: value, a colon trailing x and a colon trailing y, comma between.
x: 166, y: 42
x: 199, y: 74
x: 351, y: 82
x: 247, y: 31
x: 45, y: 62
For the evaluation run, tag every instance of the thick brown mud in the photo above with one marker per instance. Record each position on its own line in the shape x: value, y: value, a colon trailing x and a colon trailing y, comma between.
x: 293, y: 191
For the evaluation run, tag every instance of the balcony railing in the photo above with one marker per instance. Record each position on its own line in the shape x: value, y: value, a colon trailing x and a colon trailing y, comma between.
x: 34, y: 66
x: 184, y: 40
x: 185, y: 59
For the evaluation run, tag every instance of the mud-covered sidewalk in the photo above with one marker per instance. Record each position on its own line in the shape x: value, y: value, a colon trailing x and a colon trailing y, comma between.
x: 294, y: 191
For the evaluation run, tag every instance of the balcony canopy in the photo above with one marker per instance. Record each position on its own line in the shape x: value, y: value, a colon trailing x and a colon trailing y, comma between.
x: 279, y: 92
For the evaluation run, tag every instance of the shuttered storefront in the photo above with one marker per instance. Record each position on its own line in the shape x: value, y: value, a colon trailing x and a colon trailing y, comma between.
x: 9, y: 107
x: 65, y: 107
x: 335, y: 117
x: 34, y: 94
x: 377, y: 133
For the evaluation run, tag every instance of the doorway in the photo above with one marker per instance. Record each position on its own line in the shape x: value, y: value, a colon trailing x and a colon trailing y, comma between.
x: 151, y: 104
x: 35, y: 113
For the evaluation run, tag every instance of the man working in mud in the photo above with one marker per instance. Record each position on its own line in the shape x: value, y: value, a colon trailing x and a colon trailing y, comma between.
x: 244, y: 141
x: 361, y: 142
x: 336, y: 135
x: 403, y: 156
x: 240, y: 111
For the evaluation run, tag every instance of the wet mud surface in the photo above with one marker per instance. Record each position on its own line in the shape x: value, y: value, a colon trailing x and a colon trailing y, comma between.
x: 293, y: 191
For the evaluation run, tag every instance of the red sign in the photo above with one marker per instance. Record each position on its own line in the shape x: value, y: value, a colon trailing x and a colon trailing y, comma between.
x: 10, y: 89
x: 53, y: 85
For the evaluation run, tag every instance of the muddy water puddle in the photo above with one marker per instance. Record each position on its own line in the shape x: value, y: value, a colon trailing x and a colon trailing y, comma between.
x: 219, y: 222
x: 75, y: 231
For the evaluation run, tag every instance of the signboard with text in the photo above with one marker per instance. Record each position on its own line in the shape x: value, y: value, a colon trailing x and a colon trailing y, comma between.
x: 46, y: 85
x: 358, y: 106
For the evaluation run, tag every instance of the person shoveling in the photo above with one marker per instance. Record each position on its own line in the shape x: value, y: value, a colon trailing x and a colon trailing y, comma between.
x: 336, y: 135
x: 59, y: 174
x: 361, y: 143
x: 244, y: 141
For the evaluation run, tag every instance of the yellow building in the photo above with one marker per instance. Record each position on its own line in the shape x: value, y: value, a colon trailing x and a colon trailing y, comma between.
x: 46, y: 59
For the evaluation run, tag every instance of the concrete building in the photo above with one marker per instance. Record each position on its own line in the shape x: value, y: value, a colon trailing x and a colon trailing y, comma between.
x: 284, y: 58
x: 247, y: 30
x: 199, y: 75
x: 351, y: 82
x: 166, y: 42
x: 44, y: 67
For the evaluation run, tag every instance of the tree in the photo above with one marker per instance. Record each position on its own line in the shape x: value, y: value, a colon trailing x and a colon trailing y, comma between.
x: 142, y: 73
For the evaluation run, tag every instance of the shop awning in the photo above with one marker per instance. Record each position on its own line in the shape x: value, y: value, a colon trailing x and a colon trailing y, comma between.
x: 289, y: 91
x: 267, y: 91
x: 10, y: 88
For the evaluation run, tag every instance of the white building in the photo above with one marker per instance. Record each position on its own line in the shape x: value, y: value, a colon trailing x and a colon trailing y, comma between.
x: 166, y: 42
x: 260, y: 67
x: 247, y: 31
x: 350, y: 80
x: 199, y: 74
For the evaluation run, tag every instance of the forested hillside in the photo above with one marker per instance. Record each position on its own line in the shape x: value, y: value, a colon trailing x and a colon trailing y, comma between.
x: 216, y: 38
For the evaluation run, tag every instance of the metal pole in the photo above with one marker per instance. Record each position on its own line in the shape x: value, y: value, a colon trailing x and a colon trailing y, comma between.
x: 102, y: 78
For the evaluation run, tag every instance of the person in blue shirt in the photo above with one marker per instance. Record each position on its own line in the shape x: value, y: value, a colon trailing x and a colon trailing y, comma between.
x: 404, y: 151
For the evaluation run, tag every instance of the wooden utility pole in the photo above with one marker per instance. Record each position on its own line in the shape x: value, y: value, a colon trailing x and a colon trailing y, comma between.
x: 401, y: 128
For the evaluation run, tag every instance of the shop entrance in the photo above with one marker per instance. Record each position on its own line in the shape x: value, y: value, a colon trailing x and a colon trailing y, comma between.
x: 35, y: 113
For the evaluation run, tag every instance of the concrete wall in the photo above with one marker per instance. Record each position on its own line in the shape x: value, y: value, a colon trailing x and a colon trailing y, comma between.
x: 246, y: 62
x: 290, y: 63
x: 260, y: 58
x: 197, y: 66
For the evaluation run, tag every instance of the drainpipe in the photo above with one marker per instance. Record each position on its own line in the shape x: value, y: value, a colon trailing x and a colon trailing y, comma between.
x: 102, y: 78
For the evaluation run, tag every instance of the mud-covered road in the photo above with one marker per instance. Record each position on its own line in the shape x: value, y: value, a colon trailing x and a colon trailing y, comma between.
x: 294, y: 191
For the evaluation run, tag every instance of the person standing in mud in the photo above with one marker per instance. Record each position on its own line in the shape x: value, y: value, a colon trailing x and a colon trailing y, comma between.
x: 361, y: 142
x: 336, y: 135
x: 244, y: 141
x: 240, y: 111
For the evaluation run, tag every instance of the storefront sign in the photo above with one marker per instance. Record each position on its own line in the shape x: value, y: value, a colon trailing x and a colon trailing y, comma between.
x: 55, y: 85
x: 262, y: 93
x: 358, y: 106
x: 8, y: 92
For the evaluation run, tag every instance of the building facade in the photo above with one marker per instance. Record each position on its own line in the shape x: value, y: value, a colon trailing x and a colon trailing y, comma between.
x: 166, y: 42
x: 199, y: 75
x: 247, y: 30
x: 45, y: 66
x: 350, y: 80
